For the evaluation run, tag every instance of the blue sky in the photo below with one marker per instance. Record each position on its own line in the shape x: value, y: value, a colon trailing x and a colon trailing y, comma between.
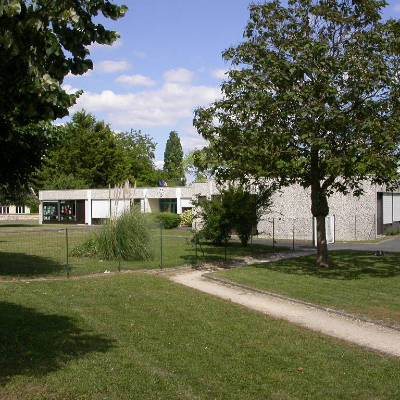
x: 166, y: 63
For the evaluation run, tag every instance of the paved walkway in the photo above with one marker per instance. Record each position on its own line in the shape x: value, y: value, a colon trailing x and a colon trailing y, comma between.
x: 390, y: 243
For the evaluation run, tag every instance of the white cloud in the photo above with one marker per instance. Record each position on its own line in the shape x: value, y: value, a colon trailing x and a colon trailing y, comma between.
x: 191, y: 139
x: 139, y: 54
x: 95, y: 46
x: 135, y: 80
x: 69, y: 89
x: 219, y: 73
x: 110, y: 66
x: 180, y: 75
x: 159, y: 163
x: 86, y: 75
x: 163, y: 107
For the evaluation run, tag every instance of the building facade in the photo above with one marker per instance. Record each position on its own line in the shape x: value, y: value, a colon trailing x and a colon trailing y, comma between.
x: 16, y: 213
x: 350, y: 218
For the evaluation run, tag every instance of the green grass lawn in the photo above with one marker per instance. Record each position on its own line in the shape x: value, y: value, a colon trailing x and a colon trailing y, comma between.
x: 135, y: 336
x: 43, y: 253
x: 358, y: 282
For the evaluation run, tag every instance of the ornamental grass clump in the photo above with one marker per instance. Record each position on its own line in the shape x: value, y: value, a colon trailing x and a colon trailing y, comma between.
x: 128, y: 237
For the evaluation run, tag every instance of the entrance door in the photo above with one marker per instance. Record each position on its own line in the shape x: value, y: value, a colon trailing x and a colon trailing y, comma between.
x: 379, y: 213
x: 80, y: 211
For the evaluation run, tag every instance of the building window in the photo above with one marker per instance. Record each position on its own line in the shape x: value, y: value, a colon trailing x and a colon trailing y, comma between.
x: 4, y: 210
x: 20, y: 209
x: 168, y: 205
x: 67, y: 211
x: 50, y: 211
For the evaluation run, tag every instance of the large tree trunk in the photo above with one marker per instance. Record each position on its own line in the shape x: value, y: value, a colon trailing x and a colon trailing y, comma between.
x: 320, y: 209
x: 322, y: 246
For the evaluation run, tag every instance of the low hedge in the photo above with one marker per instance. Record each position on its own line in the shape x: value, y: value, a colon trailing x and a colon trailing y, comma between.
x: 168, y: 220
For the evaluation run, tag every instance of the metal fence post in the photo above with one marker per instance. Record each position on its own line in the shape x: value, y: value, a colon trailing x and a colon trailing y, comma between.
x: 355, y: 228
x: 196, y: 238
x: 226, y: 243
x: 161, y: 246
x: 66, y: 242
x: 293, y: 236
x: 273, y: 233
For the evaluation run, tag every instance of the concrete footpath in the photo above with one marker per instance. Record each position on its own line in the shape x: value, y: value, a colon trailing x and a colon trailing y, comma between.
x: 389, y: 243
x: 370, y: 335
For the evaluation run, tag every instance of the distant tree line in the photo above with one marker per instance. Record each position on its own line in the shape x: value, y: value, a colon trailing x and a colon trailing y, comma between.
x: 88, y: 154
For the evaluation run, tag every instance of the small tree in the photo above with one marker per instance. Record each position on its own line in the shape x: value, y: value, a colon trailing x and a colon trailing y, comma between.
x: 236, y: 208
x: 173, y: 160
x: 216, y: 227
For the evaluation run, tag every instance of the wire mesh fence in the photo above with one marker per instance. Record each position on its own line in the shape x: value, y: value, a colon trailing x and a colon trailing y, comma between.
x: 50, y: 253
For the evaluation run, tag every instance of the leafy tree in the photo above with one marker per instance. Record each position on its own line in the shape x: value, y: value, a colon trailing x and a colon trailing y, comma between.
x: 63, y: 182
x: 87, y: 150
x: 21, y: 153
x: 190, y: 165
x: 313, y: 99
x: 42, y: 41
x: 136, y: 158
x: 173, y: 160
x: 21, y: 196
x: 90, y: 155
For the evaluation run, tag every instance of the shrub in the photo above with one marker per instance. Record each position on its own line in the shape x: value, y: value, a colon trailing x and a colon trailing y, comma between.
x: 168, y: 220
x: 236, y: 208
x: 187, y: 218
x: 129, y: 237
x: 216, y: 228
x: 392, y: 231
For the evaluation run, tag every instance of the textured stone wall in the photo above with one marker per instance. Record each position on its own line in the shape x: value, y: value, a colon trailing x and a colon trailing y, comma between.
x: 19, y: 217
x: 355, y: 217
x: 290, y: 213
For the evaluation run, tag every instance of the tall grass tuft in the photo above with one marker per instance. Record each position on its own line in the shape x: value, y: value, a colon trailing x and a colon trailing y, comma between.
x: 129, y: 237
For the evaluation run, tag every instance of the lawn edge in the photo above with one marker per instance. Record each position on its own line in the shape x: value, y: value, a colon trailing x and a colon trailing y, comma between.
x: 306, y: 303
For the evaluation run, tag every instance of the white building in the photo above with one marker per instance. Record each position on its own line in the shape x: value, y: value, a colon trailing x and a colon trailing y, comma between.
x: 352, y: 218
x: 13, y: 213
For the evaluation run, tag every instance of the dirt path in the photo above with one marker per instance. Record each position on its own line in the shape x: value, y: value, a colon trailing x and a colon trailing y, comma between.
x: 365, y: 334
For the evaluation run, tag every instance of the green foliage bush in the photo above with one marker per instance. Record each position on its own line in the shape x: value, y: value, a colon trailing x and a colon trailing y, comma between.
x: 129, y: 237
x: 392, y: 231
x: 168, y: 220
x: 236, y: 208
x: 216, y: 227
x: 187, y: 218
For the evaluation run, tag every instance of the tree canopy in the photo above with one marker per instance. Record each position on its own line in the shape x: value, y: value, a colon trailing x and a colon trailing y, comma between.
x: 173, y: 160
x: 41, y: 42
x: 312, y: 98
x: 190, y: 165
x: 90, y: 155
x: 137, y: 158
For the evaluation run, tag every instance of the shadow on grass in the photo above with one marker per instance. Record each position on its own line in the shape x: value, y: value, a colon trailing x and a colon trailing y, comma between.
x: 345, y: 265
x: 7, y: 226
x: 234, y: 249
x: 35, y: 344
x: 29, y: 266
